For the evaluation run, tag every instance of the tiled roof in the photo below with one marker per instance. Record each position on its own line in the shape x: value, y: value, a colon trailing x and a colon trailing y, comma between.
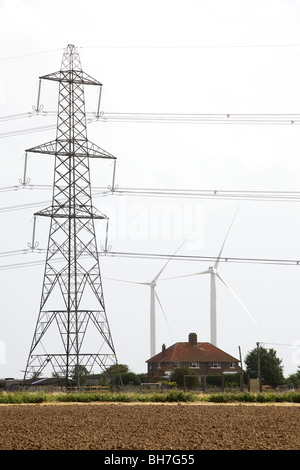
x: 186, y: 352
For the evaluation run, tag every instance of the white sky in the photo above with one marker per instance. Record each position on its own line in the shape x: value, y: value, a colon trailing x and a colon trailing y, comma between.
x: 169, y: 57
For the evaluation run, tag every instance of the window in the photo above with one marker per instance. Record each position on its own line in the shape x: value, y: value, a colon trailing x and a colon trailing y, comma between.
x: 194, y: 365
x: 215, y: 365
x: 232, y: 365
x: 176, y: 364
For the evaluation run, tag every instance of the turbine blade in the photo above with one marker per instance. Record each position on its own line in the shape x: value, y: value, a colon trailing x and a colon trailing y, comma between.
x: 186, y: 275
x: 158, y: 300
x: 237, y: 298
x: 159, y: 273
x: 131, y: 282
x: 219, y: 256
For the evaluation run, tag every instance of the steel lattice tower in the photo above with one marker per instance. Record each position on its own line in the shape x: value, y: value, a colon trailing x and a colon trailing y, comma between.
x: 72, y: 303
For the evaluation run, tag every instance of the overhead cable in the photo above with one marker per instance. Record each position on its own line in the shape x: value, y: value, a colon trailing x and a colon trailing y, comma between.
x: 194, y: 118
x: 153, y: 256
x: 162, y: 47
x: 19, y: 56
x: 282, y: 262
x: 248, y: 119
x: 268, y: 196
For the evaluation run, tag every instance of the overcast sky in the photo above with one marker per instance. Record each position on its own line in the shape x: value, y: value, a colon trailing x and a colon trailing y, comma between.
x: 176, y: 56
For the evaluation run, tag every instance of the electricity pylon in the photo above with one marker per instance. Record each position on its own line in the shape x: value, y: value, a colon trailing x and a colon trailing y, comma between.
x: 72, y: 332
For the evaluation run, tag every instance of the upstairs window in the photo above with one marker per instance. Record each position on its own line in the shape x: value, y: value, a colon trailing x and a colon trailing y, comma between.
x: 215, y: 365
x: 194, y: 365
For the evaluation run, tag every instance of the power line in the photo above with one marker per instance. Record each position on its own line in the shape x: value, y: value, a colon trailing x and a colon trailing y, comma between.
x: 181, y: 118
x: 122, y: 47
x: 145, y: 47
x: 152, y: 256
x: 203, y: 46
x: 24, y: 186
x: 292, y: 196
x: 21, y: 265
x: 159, y: 118
x: 280, y: 344
x: 22, y: 206
x: 268, y: 196
x: 19, y: 56
x: 18, y: 252
x: 281, y: 262
x: 5, y: 267
x: 30, y: 130
x: 13, y: 117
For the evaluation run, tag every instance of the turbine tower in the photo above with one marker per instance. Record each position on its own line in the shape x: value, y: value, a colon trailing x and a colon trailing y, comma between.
x: 72, y: 332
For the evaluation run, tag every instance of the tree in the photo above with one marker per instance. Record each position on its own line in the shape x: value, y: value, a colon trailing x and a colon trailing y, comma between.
x: 192, y: 381
x: 115, y: 369
x: 270, y: 366
x: 79, y: 374
x: 295, y: 378
x: 130, y: 378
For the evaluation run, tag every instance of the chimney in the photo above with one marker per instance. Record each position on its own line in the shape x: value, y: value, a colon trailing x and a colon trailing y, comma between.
x: 193, y: 339
x: 163, y: 350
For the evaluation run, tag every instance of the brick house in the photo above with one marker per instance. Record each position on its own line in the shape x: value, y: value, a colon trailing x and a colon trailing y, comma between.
x: 203, y: 358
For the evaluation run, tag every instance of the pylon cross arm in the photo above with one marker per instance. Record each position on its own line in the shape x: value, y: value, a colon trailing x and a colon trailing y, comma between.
x: 71, y: 76
x: 79, y: 149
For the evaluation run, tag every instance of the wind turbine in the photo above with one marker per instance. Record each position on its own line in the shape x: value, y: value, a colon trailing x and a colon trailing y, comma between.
x: 153, y: 298
x: 214, y: 273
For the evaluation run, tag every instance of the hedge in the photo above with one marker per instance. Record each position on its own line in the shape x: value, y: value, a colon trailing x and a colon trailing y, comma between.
x: 171, y: 396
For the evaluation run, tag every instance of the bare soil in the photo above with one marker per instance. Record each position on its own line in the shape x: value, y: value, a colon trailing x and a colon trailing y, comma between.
x: 112, y: 426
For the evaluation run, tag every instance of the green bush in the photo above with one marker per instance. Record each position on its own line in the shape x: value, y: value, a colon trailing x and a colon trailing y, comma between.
x: 247, y: 397
x: 23, y: 397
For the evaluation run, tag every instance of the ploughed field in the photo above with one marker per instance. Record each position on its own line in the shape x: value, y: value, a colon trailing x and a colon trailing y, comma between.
x: 113, y: 426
